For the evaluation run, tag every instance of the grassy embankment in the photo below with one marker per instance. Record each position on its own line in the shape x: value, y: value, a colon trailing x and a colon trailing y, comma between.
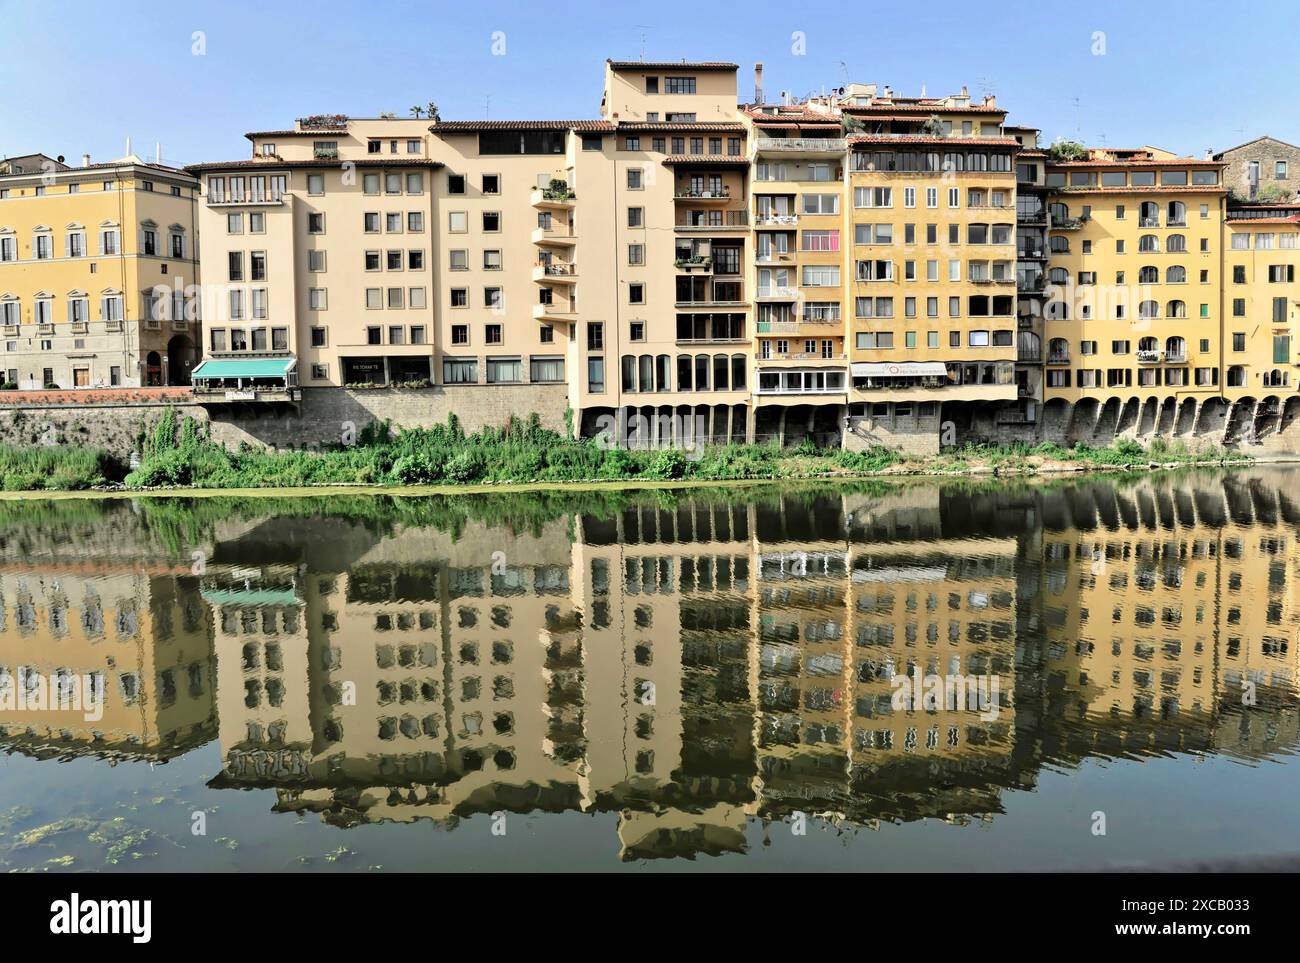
x: 181, y: 455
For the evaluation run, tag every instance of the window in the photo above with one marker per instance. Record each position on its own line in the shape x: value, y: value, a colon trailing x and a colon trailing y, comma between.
x: 504, y: 370
x: 634, y: 178
x: 636, y: 217
x: 455, y: 183
x: 315, y: 183
x: 636, y: 254
x: 545, y: 369
x: 458, y: 260
x: 316, y: 261
x: 596, y: 375
x: 492, y: 222
x: 459, y: 371
x: 492, y: 260
x: 636, y: 293
x: 675, y: 85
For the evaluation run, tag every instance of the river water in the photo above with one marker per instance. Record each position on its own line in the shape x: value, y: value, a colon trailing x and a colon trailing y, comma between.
x: 1104, y: 673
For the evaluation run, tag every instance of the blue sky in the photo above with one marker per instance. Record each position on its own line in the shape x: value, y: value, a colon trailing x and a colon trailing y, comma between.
x: 1184, y: 76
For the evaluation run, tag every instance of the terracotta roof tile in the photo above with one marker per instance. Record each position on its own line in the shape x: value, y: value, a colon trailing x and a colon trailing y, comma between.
x: 714, y: 160
x: 954, y: 142
x: 472, y: 126
x: 671, y: 65
x: 272, y: 165
x: 632, y: 126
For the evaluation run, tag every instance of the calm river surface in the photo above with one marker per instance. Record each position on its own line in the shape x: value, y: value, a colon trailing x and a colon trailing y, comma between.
x: 646, y: 680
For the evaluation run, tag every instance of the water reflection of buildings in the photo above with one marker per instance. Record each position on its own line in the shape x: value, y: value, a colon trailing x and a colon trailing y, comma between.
x: 695, y: 666
x: 138, y: 636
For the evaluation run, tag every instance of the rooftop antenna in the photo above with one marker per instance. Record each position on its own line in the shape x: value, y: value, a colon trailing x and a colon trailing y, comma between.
x: 986, y: 88
x: 845, y: 69
x: 642, y: 28
x: 487, y: 107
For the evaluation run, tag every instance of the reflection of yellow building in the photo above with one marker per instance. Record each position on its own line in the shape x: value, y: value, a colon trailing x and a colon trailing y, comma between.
x: 139, y: 636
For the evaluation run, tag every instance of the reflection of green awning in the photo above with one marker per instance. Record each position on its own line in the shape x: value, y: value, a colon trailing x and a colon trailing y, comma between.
x: 243, y: 368
x: 250, y: 596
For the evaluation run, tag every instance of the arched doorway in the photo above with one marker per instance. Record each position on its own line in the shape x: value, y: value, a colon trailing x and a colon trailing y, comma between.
x: 182, y: 356
x: 153, y: 369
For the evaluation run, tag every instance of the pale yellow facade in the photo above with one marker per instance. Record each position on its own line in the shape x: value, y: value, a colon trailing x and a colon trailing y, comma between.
x: 98, y: 274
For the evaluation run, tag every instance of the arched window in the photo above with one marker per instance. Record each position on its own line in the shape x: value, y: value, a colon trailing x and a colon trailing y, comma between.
x: 1058, y: 276
x: 663, y: 373
x: 685, y: 366
x: 1059, y: 244
x: 1176, y: 243
x: 701, y: 372
x: 1236, y: 376
x: 1058, y: 211
x: 1148, y: 214
x: 1175, y: 309
x: 1177, y: 274
x: 1148, y: 309
x: 1149, y: 244
x: 1058, y: 351
x: 646, y: 364
x: 721, y: 372
x: 1177, y: 216
x: 738, y: 363
x: 1149, y: 275
x: 1175, y: 348
x: 1148, y: 344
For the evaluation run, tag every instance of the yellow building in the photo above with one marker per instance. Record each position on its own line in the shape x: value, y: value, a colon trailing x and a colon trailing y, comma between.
x: 98, y: 273
x: 933, y: 271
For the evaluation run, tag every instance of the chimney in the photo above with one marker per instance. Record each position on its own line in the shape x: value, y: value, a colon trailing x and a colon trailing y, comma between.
x: 85, y: 160
x: 157, y: 152
x: 758, y: 83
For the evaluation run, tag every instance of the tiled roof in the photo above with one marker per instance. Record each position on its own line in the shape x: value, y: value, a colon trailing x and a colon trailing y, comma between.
x: 1140, y: 162
x: 472, y: 126
x: 272, y: 165
x: 714, y: 160
x: 1150, y: 189
x: 671, y: 65
x: 633, y: 126
x: 921, y: 108
x: 1293, y: 219
x: 954, y: 142
x: 309, y: 132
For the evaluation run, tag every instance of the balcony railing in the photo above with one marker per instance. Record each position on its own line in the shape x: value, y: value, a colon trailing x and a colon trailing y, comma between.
x: 814, y: 145
x: 1029, y: 355
x: 1058, y: 357
x: 1149, y: 356
x: 776, y: 220
x: 1067, y: 223
x: 778, y: 291
x: 691, y: 263
x: 245, y: 200
x: 1176, y: 356
x: 733, y: 220
x: 687, y: 194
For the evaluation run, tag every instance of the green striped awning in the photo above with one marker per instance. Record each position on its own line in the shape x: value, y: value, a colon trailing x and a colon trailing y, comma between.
x: 250, y: 596
x: 243, y: 368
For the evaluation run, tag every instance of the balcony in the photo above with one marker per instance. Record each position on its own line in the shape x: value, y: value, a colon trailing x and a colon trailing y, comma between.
x: 696, y: 262
x: 1038, y: 216
x: 803, y: 329
x: 1058, y: 357
x: 555, y: 272
x: 245, y: 200
x: 777, y: 293
x: 1176, y: 357
x: 776, y: 220
x: 802, y: 356
x: 801, y: 145
x: 1030, y: 283
x: 559, y: 311
x: 1060, y: 223
x: 992, y: 280
x: 733, y: 221
x: 1149, y: 356
x: 553, y: 198
x: 553, y: 237
x: 702, y: 197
